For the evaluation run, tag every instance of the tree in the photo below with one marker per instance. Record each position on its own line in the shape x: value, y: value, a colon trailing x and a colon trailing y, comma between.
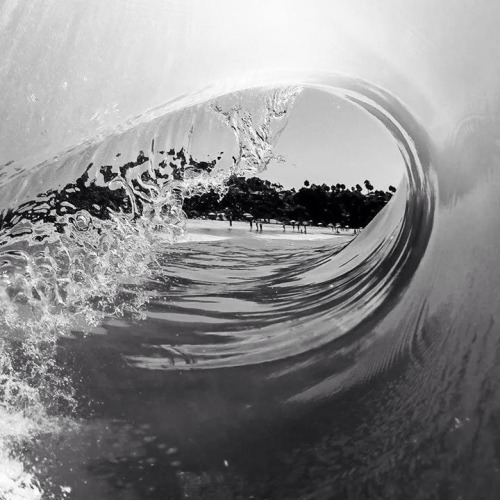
x: 368, y: 185
x: 392, y: 189
x: 319, y: 203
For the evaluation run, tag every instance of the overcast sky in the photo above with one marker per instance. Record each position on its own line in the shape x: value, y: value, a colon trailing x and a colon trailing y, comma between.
x: 330, y: 140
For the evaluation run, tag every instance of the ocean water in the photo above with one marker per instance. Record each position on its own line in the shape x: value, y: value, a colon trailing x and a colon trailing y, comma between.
x: 143, y: 355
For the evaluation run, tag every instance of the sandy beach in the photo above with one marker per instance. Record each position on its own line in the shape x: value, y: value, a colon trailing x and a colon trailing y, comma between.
x: 211, y: 230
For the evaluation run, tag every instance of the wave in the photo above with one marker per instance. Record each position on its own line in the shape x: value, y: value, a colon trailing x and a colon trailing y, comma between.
x: 106, y: 221
x: 78, y: 253
x: 395, y: 327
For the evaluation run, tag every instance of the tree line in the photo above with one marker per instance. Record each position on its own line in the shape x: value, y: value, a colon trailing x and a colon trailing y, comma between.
x: 318, y: 204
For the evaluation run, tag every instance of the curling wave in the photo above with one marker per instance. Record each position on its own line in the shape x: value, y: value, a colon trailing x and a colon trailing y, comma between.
x: 78, y: 254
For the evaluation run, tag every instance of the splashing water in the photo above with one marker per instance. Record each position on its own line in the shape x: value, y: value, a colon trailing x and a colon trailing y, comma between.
x: 68, y: 263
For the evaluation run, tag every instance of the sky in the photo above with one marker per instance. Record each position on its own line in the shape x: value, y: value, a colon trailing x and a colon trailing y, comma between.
x: 329, y: 140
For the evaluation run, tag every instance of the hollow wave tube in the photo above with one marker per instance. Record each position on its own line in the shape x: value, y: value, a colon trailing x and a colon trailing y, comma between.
x: 411, y: 389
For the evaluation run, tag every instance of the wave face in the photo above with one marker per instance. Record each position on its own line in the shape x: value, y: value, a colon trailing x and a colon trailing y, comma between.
x: 144, y: 357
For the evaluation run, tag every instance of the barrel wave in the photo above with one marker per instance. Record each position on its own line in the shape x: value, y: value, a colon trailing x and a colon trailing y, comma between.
x: 141, y: 358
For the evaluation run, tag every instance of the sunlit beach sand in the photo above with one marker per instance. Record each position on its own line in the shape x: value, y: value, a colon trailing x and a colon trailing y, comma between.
x: 212, y: 230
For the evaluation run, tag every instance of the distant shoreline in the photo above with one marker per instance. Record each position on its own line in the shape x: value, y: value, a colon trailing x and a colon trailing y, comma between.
x: 207, y: 230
